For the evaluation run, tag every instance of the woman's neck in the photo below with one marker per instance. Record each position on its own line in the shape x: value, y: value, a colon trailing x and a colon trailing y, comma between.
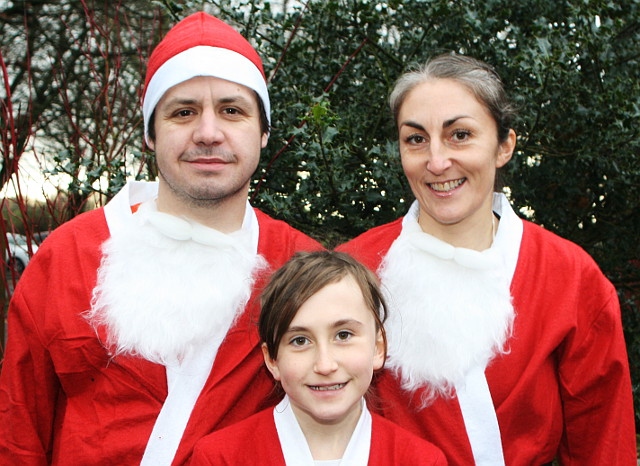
x: 477, y: 233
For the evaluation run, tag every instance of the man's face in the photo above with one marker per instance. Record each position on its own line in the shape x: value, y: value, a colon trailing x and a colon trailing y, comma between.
x: 207, y: 144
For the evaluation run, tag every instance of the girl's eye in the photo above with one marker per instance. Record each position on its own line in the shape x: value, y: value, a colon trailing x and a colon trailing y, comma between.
x: 344, y: 335
x: 299, y: 341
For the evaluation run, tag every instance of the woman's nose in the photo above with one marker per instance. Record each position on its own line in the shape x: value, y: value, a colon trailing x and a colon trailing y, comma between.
x: 438, y: 159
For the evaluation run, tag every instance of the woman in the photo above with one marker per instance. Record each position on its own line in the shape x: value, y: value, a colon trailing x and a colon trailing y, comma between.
x: 505, y: 341
x: 322, y: 333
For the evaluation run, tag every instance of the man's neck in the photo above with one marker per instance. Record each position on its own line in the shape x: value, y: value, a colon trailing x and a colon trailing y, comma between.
x: 225, y: 215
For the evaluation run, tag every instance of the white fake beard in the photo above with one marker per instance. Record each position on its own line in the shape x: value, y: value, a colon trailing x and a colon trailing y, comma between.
x: 159, y: 298
x: 444, y: 318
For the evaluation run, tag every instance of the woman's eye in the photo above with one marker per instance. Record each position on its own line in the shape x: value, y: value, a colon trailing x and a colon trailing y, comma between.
x: 344, y: 335
x: 461, y: 135
x: 416, y: 139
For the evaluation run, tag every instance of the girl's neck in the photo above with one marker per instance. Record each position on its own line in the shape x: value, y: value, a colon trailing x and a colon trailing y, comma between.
x: 328, y: 441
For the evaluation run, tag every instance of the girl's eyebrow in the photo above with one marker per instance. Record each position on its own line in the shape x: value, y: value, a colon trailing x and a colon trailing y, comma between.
x: 336, y: 324
x: 343, y: 322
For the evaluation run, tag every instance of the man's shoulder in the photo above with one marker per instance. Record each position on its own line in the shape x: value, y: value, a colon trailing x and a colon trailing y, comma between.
x: 89, y: 226
x: 372, y: 245
x: 389, y: 442
x: 283, y: 237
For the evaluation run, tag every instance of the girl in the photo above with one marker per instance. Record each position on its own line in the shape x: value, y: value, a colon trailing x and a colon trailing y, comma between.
x: 322, y: 330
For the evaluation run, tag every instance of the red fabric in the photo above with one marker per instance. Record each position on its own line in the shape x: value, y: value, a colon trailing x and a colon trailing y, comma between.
x: 200, y: 29
x: 239, y: 445
x: 564, y: 387
x: 63, y: 401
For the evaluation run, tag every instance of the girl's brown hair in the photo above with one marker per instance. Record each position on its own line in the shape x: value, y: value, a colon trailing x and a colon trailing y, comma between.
x: 301, y: 277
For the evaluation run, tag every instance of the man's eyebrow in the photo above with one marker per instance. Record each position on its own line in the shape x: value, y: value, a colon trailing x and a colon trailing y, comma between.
x: 178, y: 101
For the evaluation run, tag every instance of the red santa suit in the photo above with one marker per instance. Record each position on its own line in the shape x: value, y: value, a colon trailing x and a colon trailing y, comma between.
x: 65, y: 399
x: 387, y: 445
x: 561, y: 387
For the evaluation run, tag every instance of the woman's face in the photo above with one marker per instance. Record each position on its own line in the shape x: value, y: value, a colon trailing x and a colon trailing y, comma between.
x: 449, y: 149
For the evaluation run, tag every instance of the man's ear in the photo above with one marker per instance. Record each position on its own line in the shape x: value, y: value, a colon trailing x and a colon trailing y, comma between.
x: 271, y: 364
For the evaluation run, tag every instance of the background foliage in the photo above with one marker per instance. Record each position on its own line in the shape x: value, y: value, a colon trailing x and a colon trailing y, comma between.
x: 71, y: 73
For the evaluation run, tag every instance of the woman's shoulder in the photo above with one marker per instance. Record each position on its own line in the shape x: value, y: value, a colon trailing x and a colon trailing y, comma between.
x: 389, y: 445
x: 543, y: 243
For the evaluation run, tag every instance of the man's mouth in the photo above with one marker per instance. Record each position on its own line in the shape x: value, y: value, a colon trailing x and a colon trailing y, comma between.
x: 447, y: 185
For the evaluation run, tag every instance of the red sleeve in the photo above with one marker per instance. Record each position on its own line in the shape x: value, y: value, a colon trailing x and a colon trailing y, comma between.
x: 29, y: 385
x: 594, y: 381
x: 595, y: 386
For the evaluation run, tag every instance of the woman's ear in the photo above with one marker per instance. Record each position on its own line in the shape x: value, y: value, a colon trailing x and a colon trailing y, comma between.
x: 271, y: 364
x: 505, y: 150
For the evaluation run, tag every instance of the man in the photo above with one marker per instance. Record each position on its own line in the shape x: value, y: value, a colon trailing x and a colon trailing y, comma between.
x: 131, y: 335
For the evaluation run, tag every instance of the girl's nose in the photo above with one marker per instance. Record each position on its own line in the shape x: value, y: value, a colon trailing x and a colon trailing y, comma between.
x: 325, y: 362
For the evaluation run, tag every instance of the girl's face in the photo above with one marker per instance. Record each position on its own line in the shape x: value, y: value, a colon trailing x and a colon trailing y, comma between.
x: 449, y: 149
x: 327, y: 356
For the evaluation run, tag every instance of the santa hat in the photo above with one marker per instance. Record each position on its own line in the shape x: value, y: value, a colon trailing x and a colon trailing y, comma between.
x: 202, y: 45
